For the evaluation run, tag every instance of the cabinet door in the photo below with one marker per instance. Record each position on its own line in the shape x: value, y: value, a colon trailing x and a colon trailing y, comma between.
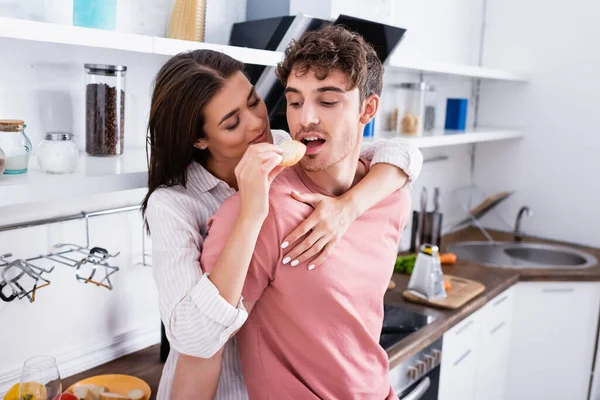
x: 459, y: 360
x: 494, y: 347
x: 552, y: 340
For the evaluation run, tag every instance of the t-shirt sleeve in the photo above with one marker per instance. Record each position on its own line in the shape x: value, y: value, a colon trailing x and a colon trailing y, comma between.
x: 266, y: 254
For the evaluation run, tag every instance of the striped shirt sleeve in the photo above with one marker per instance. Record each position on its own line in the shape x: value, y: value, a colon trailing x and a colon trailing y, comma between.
x: 198, y: 321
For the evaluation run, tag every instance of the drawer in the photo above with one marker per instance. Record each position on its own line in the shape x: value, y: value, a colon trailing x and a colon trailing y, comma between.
x: 461, y: 338
x: 497, y: 313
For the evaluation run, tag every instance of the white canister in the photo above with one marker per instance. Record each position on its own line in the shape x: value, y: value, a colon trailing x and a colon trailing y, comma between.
x: 58, y: 153
x: 2, y: 162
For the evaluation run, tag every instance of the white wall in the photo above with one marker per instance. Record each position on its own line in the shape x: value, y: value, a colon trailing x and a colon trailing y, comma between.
x: 554, y: 169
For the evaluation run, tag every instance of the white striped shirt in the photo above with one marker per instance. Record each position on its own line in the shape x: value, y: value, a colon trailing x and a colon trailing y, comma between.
x: 198, y: 321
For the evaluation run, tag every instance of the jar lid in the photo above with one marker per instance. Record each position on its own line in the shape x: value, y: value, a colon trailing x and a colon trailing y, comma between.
x: 104, y: 69
x: 422, y: 86
x: 58, y: 136
x: 11, y: 122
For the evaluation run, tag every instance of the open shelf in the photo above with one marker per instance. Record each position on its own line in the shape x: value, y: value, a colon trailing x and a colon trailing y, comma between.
x: 94, y: 175
x: 73, y: 35
x: 438, y: 138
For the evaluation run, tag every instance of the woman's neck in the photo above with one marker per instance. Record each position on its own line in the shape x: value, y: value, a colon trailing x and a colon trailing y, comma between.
x: 223, y: 169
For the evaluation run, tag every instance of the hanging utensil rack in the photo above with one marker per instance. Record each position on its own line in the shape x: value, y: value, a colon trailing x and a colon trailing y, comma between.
x: 21, y: 278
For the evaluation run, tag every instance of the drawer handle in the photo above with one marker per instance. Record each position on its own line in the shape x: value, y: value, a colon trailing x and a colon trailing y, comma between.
x: 502, y: 300
x: 462, y: 329
x: 496, y: 328
x: 558, y: 290
x: 462, y: 357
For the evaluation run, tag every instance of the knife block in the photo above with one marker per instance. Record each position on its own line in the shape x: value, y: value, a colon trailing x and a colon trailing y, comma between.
x: 431, y: 232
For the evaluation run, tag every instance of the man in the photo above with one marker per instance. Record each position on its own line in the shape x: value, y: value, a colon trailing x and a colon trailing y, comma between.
x: 315, y: 335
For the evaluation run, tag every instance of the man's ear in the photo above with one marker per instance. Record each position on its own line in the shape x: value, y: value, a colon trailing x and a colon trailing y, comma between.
x: 369, y: 109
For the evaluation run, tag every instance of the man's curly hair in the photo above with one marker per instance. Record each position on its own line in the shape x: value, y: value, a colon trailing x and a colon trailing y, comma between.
x: 334, y: 47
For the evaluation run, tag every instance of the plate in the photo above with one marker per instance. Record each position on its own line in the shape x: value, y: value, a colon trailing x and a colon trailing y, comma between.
x: 120, y: 384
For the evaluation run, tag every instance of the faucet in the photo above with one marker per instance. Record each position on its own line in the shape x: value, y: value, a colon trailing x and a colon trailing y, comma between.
x: 518, y: 235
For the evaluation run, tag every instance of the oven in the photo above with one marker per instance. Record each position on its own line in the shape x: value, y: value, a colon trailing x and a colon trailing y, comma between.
x: 418, y: 377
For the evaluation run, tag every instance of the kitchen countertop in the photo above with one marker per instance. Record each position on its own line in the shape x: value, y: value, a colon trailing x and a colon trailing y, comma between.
x: 146, y: 364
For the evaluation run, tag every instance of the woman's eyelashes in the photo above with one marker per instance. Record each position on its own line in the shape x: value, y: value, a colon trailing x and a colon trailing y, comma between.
x: 237, y: 121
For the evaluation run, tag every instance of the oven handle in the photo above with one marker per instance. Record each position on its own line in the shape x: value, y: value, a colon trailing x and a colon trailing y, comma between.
x: 419, y: 391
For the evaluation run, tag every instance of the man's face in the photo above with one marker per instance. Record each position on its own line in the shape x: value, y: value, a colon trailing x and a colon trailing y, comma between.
x: 325, y: 116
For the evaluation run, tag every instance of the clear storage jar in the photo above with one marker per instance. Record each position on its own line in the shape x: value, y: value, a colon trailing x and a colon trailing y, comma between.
x: 16, y: 146
x: 105, y: 109
x: 418, y: 105
x: 58, y: 153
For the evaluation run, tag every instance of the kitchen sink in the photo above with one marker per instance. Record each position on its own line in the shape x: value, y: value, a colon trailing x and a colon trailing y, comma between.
x: 523, y: 255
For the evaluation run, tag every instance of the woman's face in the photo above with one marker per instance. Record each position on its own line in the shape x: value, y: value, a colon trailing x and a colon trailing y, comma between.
x: 235, y: 118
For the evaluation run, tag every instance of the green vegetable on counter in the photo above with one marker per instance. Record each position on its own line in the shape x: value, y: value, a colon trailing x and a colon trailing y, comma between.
x: 405, y: 264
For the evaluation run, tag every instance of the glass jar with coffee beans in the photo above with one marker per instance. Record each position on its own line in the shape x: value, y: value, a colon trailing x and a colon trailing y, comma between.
x: 105, y: 109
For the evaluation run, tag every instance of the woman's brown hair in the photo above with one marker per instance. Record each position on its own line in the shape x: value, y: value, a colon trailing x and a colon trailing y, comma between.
x: 182, y: 89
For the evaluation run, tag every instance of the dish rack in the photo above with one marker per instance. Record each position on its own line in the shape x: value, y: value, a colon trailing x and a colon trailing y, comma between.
x: 22, y: 278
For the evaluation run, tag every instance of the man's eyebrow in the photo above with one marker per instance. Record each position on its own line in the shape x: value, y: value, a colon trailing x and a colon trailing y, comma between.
x: 330, y: 89
x: 291, y: 90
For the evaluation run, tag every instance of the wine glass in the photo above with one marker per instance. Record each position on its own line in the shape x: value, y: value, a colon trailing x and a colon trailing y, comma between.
x: 40, y: 379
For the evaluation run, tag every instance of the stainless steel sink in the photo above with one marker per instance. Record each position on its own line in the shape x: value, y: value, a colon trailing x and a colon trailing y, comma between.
x: 523, y: 255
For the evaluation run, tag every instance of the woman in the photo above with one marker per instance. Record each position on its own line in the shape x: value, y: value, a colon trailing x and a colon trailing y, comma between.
x: 209, y: 136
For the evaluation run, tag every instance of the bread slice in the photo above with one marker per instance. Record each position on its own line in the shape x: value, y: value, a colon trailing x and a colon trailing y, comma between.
x: 293, y: 151
x: 83, y: 393
x: 136, y: 394
x: 112, y: 396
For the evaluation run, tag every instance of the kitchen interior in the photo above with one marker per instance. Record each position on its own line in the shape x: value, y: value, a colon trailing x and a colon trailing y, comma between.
x: 497, y: 94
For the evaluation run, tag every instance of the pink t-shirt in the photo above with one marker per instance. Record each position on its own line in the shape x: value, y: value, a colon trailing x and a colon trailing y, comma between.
x: 314, y: 334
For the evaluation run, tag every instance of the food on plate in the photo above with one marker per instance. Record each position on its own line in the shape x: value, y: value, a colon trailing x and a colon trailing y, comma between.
x: 112, y: 396
x: 391, y: 285
x: 13, y: 392
x: 68, y: 396
x: 136, y: 394
x: 448, y: 258
x: 293, y: 151
x: 88, y: 391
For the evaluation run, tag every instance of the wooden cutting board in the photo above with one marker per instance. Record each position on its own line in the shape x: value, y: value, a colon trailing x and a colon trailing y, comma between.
x: 462, y: 291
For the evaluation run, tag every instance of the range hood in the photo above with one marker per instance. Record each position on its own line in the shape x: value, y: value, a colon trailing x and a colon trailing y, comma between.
x: 276, y: 33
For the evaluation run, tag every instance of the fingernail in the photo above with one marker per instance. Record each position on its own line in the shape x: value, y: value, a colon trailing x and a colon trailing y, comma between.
x: 286, y: 260
x: 294, y: 192
x: 294, y: 263
x: 284, y: 245
x: 311, y: 267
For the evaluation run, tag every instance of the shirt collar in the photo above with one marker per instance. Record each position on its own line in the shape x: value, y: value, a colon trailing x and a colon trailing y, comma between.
x: 199, y: 177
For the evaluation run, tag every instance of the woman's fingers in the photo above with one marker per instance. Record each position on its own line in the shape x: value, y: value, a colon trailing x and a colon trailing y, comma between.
x: 312, y: 199
x: 300, y: 231
x: 298, y: 250
x: 310, y: 252
x: 323, y: 255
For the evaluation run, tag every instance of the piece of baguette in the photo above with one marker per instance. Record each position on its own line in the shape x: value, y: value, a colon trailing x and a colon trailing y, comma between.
x: 293, y: 151
x: 112, y: 396
x: 94, y: 390
x: 83, y: 393
x: 136, y: 394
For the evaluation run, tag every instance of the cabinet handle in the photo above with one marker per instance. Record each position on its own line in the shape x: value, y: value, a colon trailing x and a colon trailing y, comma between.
x: 496, y: 328
x: 558, y: 290
x: 462, y: 329
x: 502, y: 300
x: 461, y: 358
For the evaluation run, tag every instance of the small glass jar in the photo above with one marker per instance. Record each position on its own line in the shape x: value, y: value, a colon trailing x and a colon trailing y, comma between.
x: 417, y: 99
x: 58, y: 153
x: 16, y: 146
x: 105, y: 109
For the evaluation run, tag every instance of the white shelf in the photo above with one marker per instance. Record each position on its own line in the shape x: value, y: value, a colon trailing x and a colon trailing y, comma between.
x: 469, y: 71
x: 439, y: 138
x: 78, y: 36
x: 94, y: 175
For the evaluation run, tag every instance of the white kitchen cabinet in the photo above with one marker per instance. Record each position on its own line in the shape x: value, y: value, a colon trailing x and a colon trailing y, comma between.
x: 494, y: 347
x: 459, y: 360
x: 552, y: 340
